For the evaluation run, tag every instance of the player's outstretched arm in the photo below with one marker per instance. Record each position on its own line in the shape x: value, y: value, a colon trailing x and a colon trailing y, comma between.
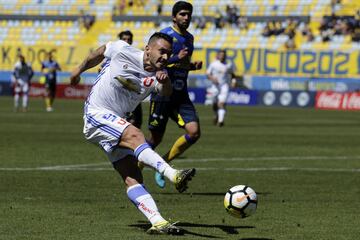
x: 93, y: 59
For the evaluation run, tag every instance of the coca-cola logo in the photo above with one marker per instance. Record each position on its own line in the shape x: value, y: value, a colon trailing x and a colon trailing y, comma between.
x: 354, y: 101
x: 36, y: 91
x: 333, y: 100
x: 75, y: 92
x: 329, y: 100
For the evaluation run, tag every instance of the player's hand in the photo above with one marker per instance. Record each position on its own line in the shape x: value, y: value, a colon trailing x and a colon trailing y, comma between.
x: 162, y: 76
x: 16, y: 82
x: 183, y: 53
x: 198, y: 65
x: 233, y: 83
x: 75, y: 77
x: 215, y: 80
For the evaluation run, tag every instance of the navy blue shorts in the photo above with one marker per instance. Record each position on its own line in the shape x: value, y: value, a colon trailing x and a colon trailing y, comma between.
x: 50, y: 85
x: 180, y: 112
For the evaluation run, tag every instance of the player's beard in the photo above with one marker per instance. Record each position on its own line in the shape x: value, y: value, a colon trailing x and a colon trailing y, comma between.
x: 184, y: 26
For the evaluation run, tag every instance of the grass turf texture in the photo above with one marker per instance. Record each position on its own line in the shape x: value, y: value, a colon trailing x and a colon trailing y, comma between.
x: 303, y: 163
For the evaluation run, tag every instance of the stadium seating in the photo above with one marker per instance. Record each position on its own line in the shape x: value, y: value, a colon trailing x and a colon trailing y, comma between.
x: 100, y: 8
x: 14, y: 32
x: 211, y: 37
x: 69, y: 33
x: 246, y: 7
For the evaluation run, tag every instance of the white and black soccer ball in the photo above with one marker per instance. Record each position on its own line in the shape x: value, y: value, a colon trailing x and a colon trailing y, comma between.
x: 240, y: 201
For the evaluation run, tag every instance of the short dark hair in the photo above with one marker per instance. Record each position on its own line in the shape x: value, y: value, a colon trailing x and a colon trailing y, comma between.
x: 181, y: 5
x: 158, y: 35
x: 126, y: 33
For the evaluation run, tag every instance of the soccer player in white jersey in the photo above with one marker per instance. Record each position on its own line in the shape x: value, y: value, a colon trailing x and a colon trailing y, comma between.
x: 21, y: 78
x: 128, y: 77
x: 221, y: 74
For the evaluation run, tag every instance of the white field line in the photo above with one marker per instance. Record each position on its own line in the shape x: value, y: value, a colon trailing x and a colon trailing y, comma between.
x: 281, y: 169
x: 92, y: 166
x: 290, y: 158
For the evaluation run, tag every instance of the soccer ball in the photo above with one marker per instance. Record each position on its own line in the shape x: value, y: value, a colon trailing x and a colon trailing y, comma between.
x: 240, y: 201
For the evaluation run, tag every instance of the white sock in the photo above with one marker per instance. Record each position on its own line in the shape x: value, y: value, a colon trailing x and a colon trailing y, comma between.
x: 146, y: 155
x: 145, y: 203
x: 16, y: 100
x: 25, y: 100
x: 221, y: 115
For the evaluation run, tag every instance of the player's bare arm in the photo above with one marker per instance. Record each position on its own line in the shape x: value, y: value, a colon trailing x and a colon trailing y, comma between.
x: 93, y: 59
x: 213, y: 79
x: 233, y: 80
x: 183, y: 53
x: 165, y: 87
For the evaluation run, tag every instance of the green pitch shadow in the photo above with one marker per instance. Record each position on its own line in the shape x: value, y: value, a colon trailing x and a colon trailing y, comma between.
x: 226, y: 228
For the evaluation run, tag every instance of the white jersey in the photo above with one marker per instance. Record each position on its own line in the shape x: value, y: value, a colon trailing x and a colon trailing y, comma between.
x: 221, y: 71
x: 120, y: 86
x: 122, y: 83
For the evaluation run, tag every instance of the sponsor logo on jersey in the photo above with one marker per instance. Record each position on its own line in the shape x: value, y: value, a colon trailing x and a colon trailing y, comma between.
x: 148, y: 81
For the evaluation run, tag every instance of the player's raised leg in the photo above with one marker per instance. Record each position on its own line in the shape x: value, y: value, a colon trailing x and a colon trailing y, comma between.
x: 134, y: 139
x: 141, y: 198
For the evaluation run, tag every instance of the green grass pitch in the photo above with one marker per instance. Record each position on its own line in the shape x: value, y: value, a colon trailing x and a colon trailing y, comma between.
x: 303, y: 163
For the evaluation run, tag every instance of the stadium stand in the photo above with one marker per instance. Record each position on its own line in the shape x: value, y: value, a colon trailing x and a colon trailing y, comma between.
x: 33, y: 32
x: 240, y: 24
x: 15, y: 32
x: 100, y: 8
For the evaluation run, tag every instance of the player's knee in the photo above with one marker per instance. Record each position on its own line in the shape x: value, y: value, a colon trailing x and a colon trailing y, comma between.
x: 129, y: 181
x: 194, y: 135
x: 133, y: 137
x: 221, y: 105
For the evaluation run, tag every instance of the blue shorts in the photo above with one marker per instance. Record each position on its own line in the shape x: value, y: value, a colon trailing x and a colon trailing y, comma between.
x: 181, y: 112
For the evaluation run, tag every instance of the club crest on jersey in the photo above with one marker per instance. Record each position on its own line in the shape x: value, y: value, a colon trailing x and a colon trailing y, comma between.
x: 128, y: 84
x: 148, y: 81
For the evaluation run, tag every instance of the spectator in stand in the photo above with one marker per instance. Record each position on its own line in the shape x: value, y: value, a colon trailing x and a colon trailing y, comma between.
x: 267, y: 32
x: 242, y: 23
x: 335, y: 6
x: 200, y: 22
x: 120, y: 7
x: 272, y: 28
x: 219, y: 19
x: 86, y: 20
x: 290, y: 44
x: 307, y: 33
x: 159, y: 7
x: 276, y: 28
x: 231, y: 14
x: 290, y: 27
x: 355, y: 35
x: 327, y: 28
